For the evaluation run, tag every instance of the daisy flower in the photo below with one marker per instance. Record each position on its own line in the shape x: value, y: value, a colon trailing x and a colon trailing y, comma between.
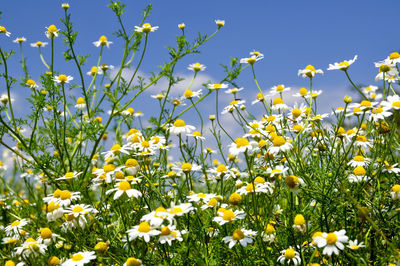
x: 39, y: 44
x: 124, y: 187
x: 389, y: 168
x: 233, y: 90
x: 79, y: 211
x: 302, y: 93
x: 334, y: 242
x: 227, y: 216
x: 217, y: 86
x: 169, y: 234
x: 257, y: 187
x: 279, y: 144
x: 379, y: 113
x: 250, y: 60
x: 62, y: 197
x: 197, y: 135
x: 354, y: 245
x: 31, y: 84
x: 299, y: 223
x: 294, y: 183
x: 395, y: 193
x: 220, y: 23
x: 102, y: 42
x: 80, y: 258
x: 189, y: 94
x: 289, y: 255
x: 392, y: 102
x: 146, y: 28
x: 3, y: 30
x: 94, y: 71
x: 393, y: 58
x: 80, y: 104
x: 143, y: 230
x: 385, y: 69
x: 200, y: 197
x: 279, y: 105
x: 278, y: 170
x: 342, y: 65
x: 232, y: 106
x: 269, y: 234
x: 196, y: 67
x: 259, y: 98
x: 239, y: 146
x: 359, y: 160
x: 62, y: 79
x: 52, y: 32
x: 309, y: 71
x: 157, y: 217
x: 115, y: 151
x: 20, y: 40
x: 54, y: 211
x: 180, y: 127
x: 359, y: 175
x: 30, y: 247
x: 278, y: 89
x: 132, y: 261
x: 241, y: 236
x: 69, y: 176
x: 15, y: 227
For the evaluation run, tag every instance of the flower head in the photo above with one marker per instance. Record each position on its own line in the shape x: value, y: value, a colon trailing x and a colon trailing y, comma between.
x: 4, y: 30
x: 309, y: 71
x: 342, y: 65
x: 146, y: 28
x: 52, y: 32
x: 102, y: 42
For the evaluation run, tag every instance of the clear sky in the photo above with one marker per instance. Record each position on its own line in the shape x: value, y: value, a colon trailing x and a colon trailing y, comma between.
x: 291, y: 35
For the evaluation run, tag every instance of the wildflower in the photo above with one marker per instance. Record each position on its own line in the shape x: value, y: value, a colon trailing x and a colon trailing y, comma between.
x: 80, y: 258
x: 240, y: 145
x: 232, y: 106
x: 3, y: 30
x: 69, y: 176
x: 182, y: 26
x: 30, y: 247
x: 278, y: 89
x: 395, y: 193
x: 233, y: 90
x: 333, y: 242
x: 65, y: 6
x: 102, y: 42
x: 196, y: 67
x: 20, y: 40
x: 39, y: 44
x: 62, y: 79
x: 197, y: 135
x: 299, y: 223
x: 169, y: 234
x: 115, y: 151
x: 279, y: 105
x: 354, y: 245
x: 302, y: 93
x: 94, y: 71
x: 250, y: 60
x: 226, y: 216
x: 47, y: 236
x: 359, y: 174
x: 289, y: 255
x: 259, y: 98
x: 180, y: 127
x: 342, y: 65
x: 143, y: 230
x: 359, y: 160
x: 309, y: 71
x: 379, y: 113
x: 189, y: 94
x: 389, y: 168
x: 269, y: 234
x: 241, y: 236
x: 392, y: 102
x: 80, y: 103
x: 31, y: 84
x: 79, y: 211
x: 124, y: 187
x: 52, y: 32
x: 217, y: 86
x: 62, y: 198
x: 15, y: 227
x: 146, y: 28
x: 385, y: 69
x: 280, y: 144
x: 200, y: 197
x: 220, y: 23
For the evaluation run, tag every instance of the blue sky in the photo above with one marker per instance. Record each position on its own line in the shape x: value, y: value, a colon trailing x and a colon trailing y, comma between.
x: 291, y: 34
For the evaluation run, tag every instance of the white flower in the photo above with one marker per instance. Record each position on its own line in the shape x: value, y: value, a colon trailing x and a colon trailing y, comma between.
x: 239, y: 146
x: 189, y: 94
x: 124, y: 187
x: 94, y: 71
x: 265, y: 187
x: 278, y: 89
x: 52, y: 32
x: 80, y: 103
x: 217, y: 86
x: 251, y: 60
x: 200, y: 197
x: 30, y: 247
x: 392, y: 102
x: 62, y: 197
x: 279, y: 144
x: 241, y: 236
x: 102, y: 42
x: 143, y: 230
x: 115, y: 151
x: 3, y: 30
x: 62, y: 78
x: 395, y: 193
x: 69, y: 176
x: 79, y: 211
x: 359, y: 160
x: 20, y: 40
x: 309, y: 71
x: 15, y: 227
x: 146, y: 28
x: 232, y: 106
x: 226, y: 216
x: 289, y: 255
x: 196, y: 67
x: 334, y: 242
x: 169, y: 234
x: 39, y: 44
x: 220, y: 23
x: 80, y: 258
x: 180, y: 127
x: 342, y: 65
x: 354, y: 245
x: 180, y: 209
x: 233, y: 90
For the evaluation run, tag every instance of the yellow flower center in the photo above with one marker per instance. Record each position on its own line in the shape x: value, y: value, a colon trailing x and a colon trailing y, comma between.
x: 297, y: 128
x: 176, y: 210
x: 188, y: 94
x: 124, y: 185
x: 57, y: 193
x: 186, y: 167
x: 310, y: 68
x: 296, y: 112
x: 250, y: 188
x: 46, y: 233
x: 93, y: 70
x: 365, y: 103
x: 53, y: 206
x: 179, y: 123
x: 80, y: 100
x: 280, y: 88
x: 77, y: 257
x: 212, y: 202
x: 62, y: 78
x: 103, y: 40
x: 39, y: 43
x: 109, y: 168
x: 384, y: 68
x: 171, y: 174
x: 359, y: 158
x: 119, y: 175
x: 359, y: 171
x: 299, y: 220
x: 377, y: 110
x: 241, y: 142
x: 235, y: 198
x: 277, y: 101
x: 289, y: 253
x: 396, y: 188
x: 131, y: 163
x: 303, y: 91
x: 15, y: 223
x: 396, y: 104
x: 238, y: 235
x: 165, y: 231
x: 357, y: 110
x: 259, y: 180
x: 30, y: 83
x: 260, y: 96
x: 144, y: 227
x: 52, y: 29
x: 3, y: 29
x: 344, y: 64
x: 77, y: 209
x: 65, y: 194
x: 228, y: 215
x: 270, y: 229
x: 132, y: 262
x: 331, y: 238
x: 197, y: 67
x: 279, y: 141
x: 361, y: 138
x: 146, y: 28
x: 69, y: 175
x: 221, y: 168
x: 197, y: 134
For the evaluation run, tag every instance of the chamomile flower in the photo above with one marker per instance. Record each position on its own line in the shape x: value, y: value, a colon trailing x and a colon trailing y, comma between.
x: 15, y: 227
x: 294, y: 183
x: 4, y: 30
x: 278, y: 89
x: 241, y: 236
x: 52, y: 32
x: 69, y: 176
x: 39, y: 44
x: 342, y: 65
x: 54, y: 211
x: 250, y: 60
x: 189, y: 94
x: 385, y: 69
x: 196, y: 67
x: 132, y: 262
x: 334, y: 242
x: 239, y: 146
x: 217, y: 86
x: 180, y: 209
x: 359, y: 175
x: 63, y: 79
x: 102, y: 42
x: 279, y: 105
x: 180, y: 127
x: 124, y: 187
x: 62, y: 197
x: 302, y: 93
x: 233, y: 90
x: 94, y: 71
x: 80, y: 103
x: 20, y: 40
x: 289, y: 255
x: 232, y: 106
x: 279, y: 144
x: 146, y: 28
x: 309, y: 71
x: 354, y: 245
x: 227, y: 216
x: 391, y: 168
x: 196, y: 135
x: 115, y: 151
x: 30, y: 247
x: 31, y: 84
x: 279, y: 170
x: 269, y: 234
x: 220, y: 23
x: 260, y: 97
x: 80, y: 258
x: 128, y: 112
x: 169, y: 234
x: 359, y: 160
x: 143, y: 230
x: 395, y: 193
x: 362, y: 141
x: 200, y: 197
x: 79, y: 211
x: 257, y: 187
x: 299, y: 223
x: 392, y: 102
